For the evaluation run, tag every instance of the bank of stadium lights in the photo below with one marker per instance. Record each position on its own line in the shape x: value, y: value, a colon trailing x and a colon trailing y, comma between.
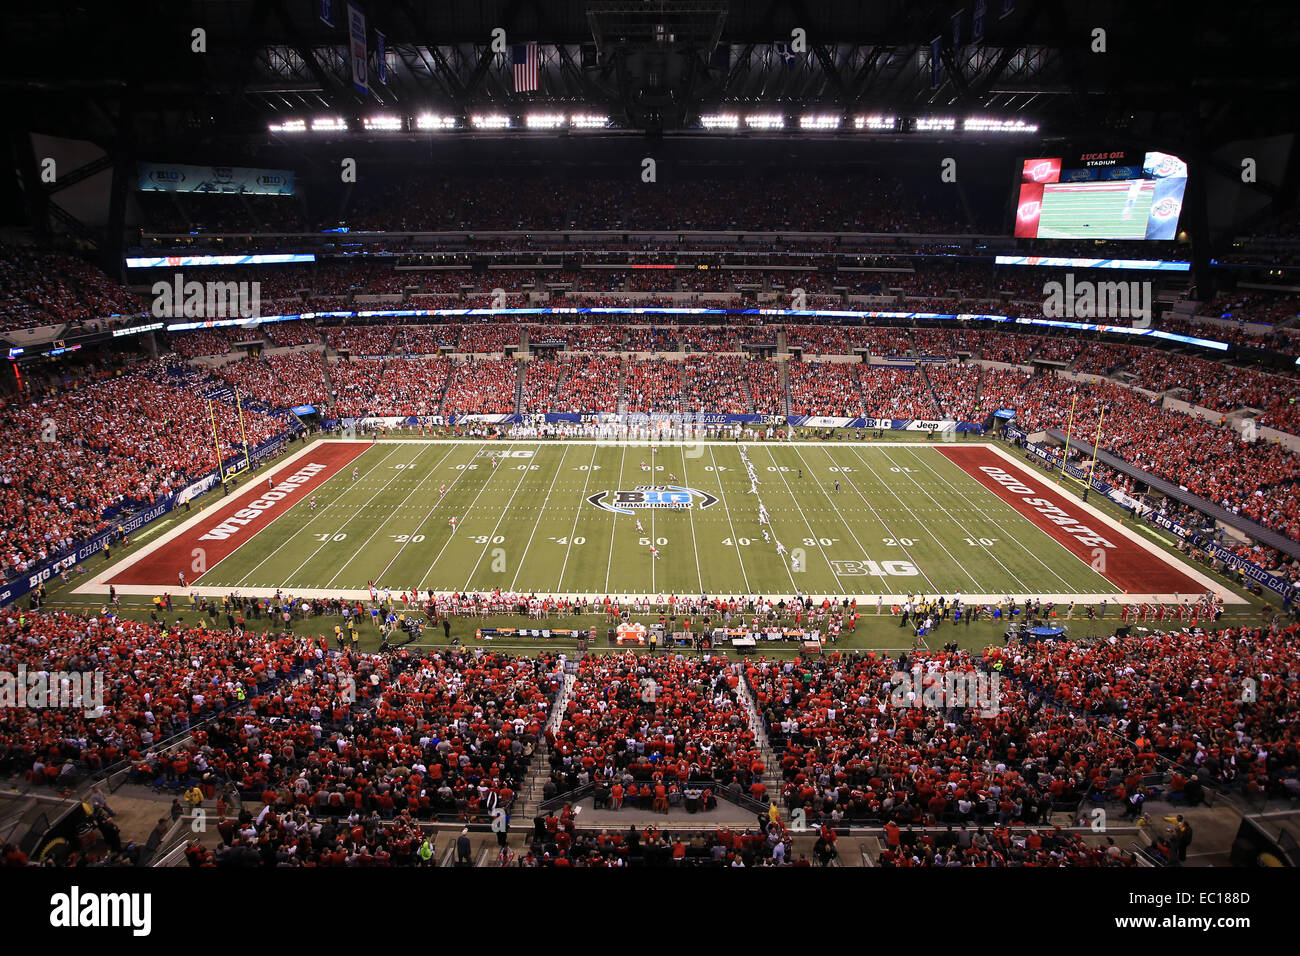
x: 877, y: 122
x: 431, y: 121
x: 545, y: 120
x: 819, y: 122
x: 489, y: 121
x: 289, y: 126
x: 765, y: 121
x: 976, y: 124
x: 329, y: 124
x: 588, y: 121
x: 933, y: 124
x: 720, y: 121
x: 383, y: 123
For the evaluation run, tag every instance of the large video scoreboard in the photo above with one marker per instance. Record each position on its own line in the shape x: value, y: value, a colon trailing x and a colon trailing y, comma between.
x: 1101, y: 195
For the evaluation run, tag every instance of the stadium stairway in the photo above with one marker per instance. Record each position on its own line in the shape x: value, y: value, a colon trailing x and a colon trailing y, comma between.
x: 622, y: 386
x: 785, y: 389
x: 934, y: 396
x: 560, y: 380
x: 539, y: 768
x: 442, y: 396
x: 325, y: 371
x: 979, y: 386
x: 747, y: 393
x: 520, y: 370
x: 771, y: 774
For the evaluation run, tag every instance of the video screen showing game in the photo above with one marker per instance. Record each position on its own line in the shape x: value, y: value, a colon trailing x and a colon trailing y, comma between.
x: 1101, y: 195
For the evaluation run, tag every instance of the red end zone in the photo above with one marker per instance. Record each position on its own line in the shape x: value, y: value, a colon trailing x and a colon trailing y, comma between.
x: 225, y: 529
x: 1128, y: 565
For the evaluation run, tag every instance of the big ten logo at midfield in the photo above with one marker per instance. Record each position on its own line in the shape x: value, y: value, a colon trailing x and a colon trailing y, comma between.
x: 849, y: 569
x: 652, y: 496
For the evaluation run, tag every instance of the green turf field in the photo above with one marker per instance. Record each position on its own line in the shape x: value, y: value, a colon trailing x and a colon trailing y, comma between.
x: 1103, y: 213
x: 905, y: 520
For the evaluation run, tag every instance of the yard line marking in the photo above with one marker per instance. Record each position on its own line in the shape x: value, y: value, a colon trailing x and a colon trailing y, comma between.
x: 352, y: 516
x: 501, y: 517
x: 541, y: 511
x: 425, y: 519
x: 938, y: 539
x: 379, y: 525
x: 614, y: 525
x: 736, y: 541
x: 865, y: 554
x: 699, y: 574
x: 452, y: 536
x: 333, y: 501
x: 815, y: 536
x: 576, y: 515
x: 966, y: 531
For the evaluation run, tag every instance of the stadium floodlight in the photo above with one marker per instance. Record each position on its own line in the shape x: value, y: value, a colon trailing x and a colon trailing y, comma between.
x: 431, y: 121
x: 544, y: 120
x: 977, y: 124
x: 765, y: 121
x: 720, y: 121
x: 329, y: 124
x: 926, y: 124
x: 490, y: 121
x: 588, y: 121
x: 875, y: 121
x: 289, y: 126
x: 383, y: 122
x: 819, y: 121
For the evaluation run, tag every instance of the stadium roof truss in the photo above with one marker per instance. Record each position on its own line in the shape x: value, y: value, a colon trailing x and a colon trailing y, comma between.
x: 653, y: 65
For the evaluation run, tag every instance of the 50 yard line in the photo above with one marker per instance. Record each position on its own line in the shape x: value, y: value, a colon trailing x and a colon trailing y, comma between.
x: 699, y: 574
x: 614, y: 524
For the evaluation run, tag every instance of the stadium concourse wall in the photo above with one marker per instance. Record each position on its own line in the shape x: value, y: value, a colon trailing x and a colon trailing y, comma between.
x: 23, y: 585
x: 1250, y: 569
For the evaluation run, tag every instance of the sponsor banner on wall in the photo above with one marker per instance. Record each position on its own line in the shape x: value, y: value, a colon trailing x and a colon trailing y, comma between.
x: 1248, y: 568
x: 183, y: 178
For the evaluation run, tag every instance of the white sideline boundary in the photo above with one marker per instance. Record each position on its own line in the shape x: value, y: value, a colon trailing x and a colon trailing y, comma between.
x: 865, y: 598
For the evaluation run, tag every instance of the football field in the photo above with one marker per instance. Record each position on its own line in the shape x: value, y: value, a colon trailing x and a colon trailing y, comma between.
x: 587, y: 518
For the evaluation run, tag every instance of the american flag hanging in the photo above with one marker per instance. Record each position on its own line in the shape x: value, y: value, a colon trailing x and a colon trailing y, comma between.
x: 526, y: 62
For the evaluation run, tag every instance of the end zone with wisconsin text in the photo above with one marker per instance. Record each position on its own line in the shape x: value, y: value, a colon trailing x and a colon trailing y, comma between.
x: 223, y: 530
x: 1134, y: 565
